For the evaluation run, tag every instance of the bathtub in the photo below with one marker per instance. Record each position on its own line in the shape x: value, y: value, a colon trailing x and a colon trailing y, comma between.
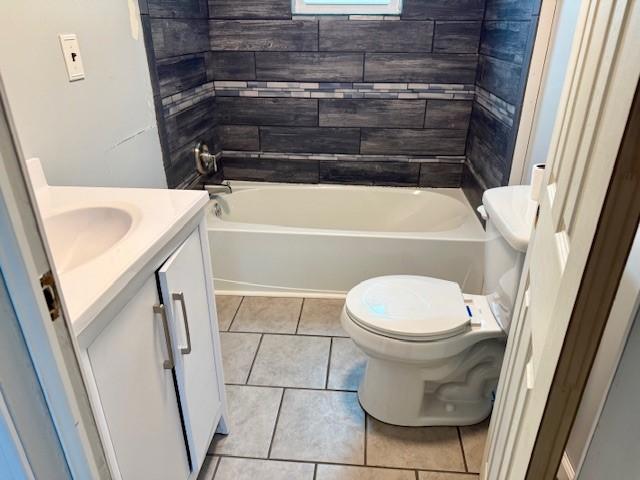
x: 321, y: 240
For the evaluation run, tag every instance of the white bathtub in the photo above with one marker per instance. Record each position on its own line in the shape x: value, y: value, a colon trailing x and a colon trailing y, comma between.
x: 321, y: 240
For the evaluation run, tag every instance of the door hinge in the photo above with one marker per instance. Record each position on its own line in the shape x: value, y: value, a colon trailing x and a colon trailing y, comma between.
x: 50, y: 292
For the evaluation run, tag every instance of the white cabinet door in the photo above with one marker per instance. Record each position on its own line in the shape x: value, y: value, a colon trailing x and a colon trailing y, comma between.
x: 183, y: 282
x: 137, y: 392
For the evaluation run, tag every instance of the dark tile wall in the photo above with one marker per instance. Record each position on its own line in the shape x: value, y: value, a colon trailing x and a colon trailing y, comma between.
x: 335, y: 132
x: 177, y: 40
x: 508, y: 33
x: 366, y: 100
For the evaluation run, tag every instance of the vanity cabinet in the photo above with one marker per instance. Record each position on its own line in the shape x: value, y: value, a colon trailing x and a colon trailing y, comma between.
x: 157, y: 373
x: 183, y: 284
x: 137, y: 394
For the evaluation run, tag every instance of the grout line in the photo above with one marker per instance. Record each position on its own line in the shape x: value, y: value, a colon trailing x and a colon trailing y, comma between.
x: 319, y: 335
x: 464, y: 455
x: 426, y: 110
x: 366, y: 434
x: 315, y: 471
x: 433, y: 36
x: 275, y: 425
x: 417, y: 475
x: 353, y: 51
x: 236, y: 314
x: 255, y: 356
x: 311, y: 389
x: 299, y: 316
x: 215, y: 470
x: 315, y: 462
x: 255, y: 67
x: 326, y: 382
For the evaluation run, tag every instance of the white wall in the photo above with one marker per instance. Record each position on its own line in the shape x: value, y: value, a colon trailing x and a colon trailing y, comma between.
x: 552, y: 84
x: 614, y: 451
x: 100, y: 131
x: 623, y: 312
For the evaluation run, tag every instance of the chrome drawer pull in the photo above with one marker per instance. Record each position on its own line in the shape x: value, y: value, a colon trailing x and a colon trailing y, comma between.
x: 160, y: 310
x: 180, y: 296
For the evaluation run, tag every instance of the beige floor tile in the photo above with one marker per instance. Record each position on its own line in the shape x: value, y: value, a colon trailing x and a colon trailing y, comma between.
x: 226, y: 306
x: 267, y: 315
x: 430, y: 448
x: 320, y: 426
x: 447, y: 476
x: 473, y: 440
x: 291, y: 361
x: 340, y: 472
x: 252, y: 417
x: 347, y: 365
x: 208, y: 468
x: 238, y: 352
x: 249, y: 469
x: 321, y: 316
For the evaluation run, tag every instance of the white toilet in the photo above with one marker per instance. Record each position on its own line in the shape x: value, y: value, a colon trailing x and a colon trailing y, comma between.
x: 434, y: 353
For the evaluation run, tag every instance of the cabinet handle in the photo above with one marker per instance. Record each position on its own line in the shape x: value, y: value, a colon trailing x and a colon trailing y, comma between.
x: 160, y: 310
x: 180, y: 296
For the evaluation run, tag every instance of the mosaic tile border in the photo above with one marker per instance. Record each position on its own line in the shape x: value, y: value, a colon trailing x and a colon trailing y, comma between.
x: 345, y: 90
x: 182, y: 100
x: 502, y: 110
x: 342, y: 157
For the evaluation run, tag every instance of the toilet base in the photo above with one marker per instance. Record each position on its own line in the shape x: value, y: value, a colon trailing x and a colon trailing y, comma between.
x: 452, y: 391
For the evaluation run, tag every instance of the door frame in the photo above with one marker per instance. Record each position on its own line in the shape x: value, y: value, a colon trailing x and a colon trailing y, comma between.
x: 533, y: 91
x: 612, y: 243
x: 24, y: 260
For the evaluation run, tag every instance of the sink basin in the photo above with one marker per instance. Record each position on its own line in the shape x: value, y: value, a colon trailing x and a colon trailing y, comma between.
x: 80, y: 235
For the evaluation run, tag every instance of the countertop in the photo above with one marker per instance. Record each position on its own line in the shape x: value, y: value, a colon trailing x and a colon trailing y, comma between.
x: 158, y: 215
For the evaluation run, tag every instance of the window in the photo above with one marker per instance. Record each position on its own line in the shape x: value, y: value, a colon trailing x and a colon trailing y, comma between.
x: 347, y: 7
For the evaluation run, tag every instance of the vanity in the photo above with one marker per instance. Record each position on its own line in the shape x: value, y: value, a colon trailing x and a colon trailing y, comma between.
x: 134, y: 269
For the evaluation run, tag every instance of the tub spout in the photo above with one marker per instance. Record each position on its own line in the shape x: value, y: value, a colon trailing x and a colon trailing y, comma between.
x: 217, y: 189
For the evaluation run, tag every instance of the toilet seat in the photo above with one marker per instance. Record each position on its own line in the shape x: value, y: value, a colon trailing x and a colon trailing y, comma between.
x: 408, y: 307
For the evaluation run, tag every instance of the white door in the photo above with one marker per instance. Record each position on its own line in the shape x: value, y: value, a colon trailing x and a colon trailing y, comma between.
x: 29, y: 444
x: 23, y: 262
x: 183, y: 281
x: 601, y: 81
x: 132, y: 370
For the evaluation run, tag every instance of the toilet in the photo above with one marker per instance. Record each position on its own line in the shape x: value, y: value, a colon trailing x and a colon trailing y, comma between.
x: 434, y: 353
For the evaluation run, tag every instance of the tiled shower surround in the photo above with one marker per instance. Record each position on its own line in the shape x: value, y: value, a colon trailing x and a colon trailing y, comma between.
x: 378, y: 100
x: 508, y: 33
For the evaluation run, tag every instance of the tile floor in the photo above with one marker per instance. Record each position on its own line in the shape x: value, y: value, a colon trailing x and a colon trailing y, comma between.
x: 292, y: 375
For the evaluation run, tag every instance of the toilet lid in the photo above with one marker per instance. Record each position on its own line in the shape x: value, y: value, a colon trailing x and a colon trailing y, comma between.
x: 408, y: 307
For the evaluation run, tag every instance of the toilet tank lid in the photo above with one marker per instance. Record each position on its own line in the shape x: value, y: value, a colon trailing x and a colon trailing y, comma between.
x: 512, y: 212
x: 409, y: 307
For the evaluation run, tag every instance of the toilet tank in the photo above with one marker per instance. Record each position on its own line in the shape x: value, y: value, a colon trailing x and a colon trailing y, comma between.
x: 510, y: 219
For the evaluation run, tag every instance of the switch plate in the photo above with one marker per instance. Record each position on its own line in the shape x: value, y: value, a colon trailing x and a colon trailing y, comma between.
x: 71, y: 54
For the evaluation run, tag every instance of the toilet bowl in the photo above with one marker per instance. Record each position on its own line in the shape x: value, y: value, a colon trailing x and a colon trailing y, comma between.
x: 433, y: 353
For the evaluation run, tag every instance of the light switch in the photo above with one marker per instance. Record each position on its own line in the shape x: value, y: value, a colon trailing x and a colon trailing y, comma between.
x: 72, y: 58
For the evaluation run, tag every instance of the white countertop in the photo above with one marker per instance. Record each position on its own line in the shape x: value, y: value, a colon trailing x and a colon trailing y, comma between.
x: 157, y: 216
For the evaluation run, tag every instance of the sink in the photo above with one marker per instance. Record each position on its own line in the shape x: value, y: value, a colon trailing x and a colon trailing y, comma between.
x: 80, y: 235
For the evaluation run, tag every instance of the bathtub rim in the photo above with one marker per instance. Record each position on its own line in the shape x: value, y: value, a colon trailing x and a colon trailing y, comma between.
x: 471, y: 229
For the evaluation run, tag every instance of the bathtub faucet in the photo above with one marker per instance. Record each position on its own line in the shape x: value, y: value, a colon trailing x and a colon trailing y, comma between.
x: 217, y: 189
